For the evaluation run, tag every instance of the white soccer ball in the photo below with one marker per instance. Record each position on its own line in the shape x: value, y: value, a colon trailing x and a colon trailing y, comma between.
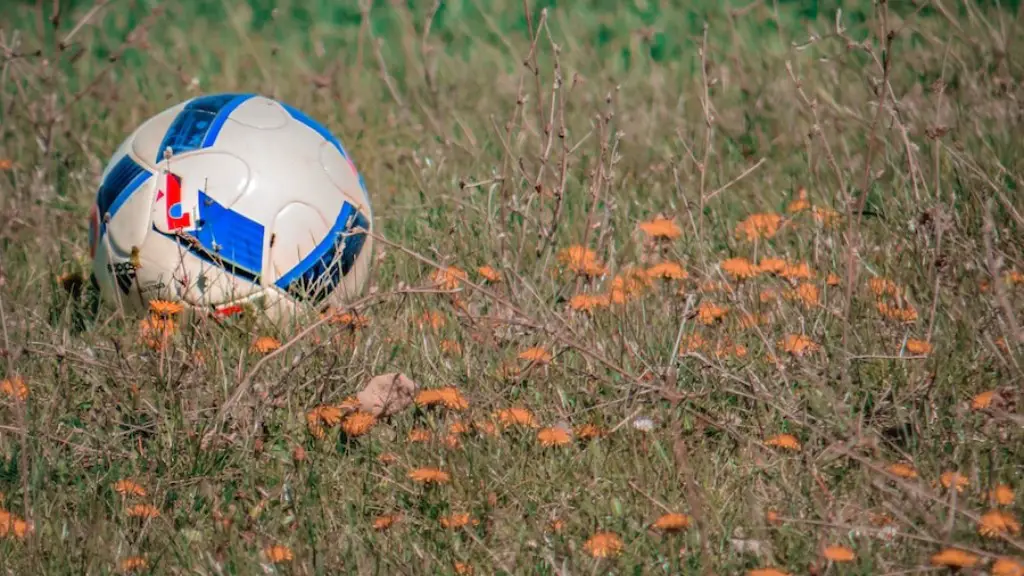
x: 227, y: 202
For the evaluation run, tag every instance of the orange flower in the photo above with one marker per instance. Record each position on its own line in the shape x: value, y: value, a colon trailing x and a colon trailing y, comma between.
x: 984, y: 400
x: 905, y: 314
x: 385, y: 521
x: 536, y: 355
x: 739, y: 268
x: 628, y: 285
x: 771, y: 265
x: 447, y: 396
x: 581, y: 260
x: 432, y: 319
x: 554, y: 436
x: 449, y: 278
x: 329, y: 415
x: 14, y: 387
x: 266, y: 344
x: 347, y: 319
x: 771, y: 517
x: 918, y: 347
x: 458, y: 427
x: 838, y: 554
x: 995, y: 523
x: 463, y: 569
x: 429, y: 476
x: 825, y: 216
x: 604, y: 545
x: 800, y: 203
x: 451, y: 348
x: 784, y: 441
x: 708, y: 313
x: 127, y: 487
x: 751, y: 320
x: 950, y: 479
x: 358, y: 423
x: 589, y: 432
x: 692, y: 343
x: 661, y: 229
x: 6, y: 164
x: 1002, y: 495
x: 156, y: 332
x: 143, y: 511
x: 488, y: 273
x: 798, y: 344
x: 832, y: 279
x: 11, y: 525
x: 668, y: 271
x: 806, y: 293
x: 768, y: 295
x: 418, y: 435
x: 278, y: 554
x: 486, y: 427
x: 588, y: 302
x: 387, y: 458
x: 1007, y: 567
x: 796, y: 271
x: 164, y: 308
x: 759, y: 226
x: 133, y: 564
x: 455, y: 521
x: 883, y: 286
x: 901, y: 470
x: 672, y: 522
x: 712, y: 286
x: 954, y: 558
x: 516, y: 417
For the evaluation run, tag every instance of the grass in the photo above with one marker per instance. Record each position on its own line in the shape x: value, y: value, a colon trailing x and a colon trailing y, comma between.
x: 903, y: 127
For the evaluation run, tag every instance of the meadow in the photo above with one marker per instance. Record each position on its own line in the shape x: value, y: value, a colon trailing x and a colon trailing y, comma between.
x: 686, y: 288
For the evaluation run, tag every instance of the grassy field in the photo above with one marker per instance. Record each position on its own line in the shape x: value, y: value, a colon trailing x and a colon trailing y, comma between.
x: 756, y: 264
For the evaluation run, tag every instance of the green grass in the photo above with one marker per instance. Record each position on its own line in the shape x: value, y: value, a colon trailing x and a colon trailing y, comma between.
x: 431, y: 121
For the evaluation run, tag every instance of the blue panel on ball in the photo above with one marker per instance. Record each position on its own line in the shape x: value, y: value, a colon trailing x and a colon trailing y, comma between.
x: 124, y: 178
x: 317, y: 127
x: 230, y: 235
x: 199, y: 123
x: 224, y: 238
x: 321, y: 270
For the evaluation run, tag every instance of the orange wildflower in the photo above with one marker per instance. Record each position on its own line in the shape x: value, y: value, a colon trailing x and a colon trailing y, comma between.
x: 143, y: 511
x: 832, y: 279
x: 799, y: 203
x: 798, y: 344
x: 387, y: 458
x: 918, y: 347
x: 796, y: 271
x: 127, y: 487
x: 767, y: 572
x: 954, y: 558
x: 463, y: 569
x: 278, y: 554
x: 266, y: 344
x: 451, y: 347
x: 432, y: 319
x: 420, y: 435
x: 588, y: 302
x: 759, y: 226
x: 771, y: 265
x: 668, y: 271
x: 671, y: 522
x: 347, y: 319
x: 589, y: 432
x: 883, y: 286
x: 156, y: 332
x: 133, y: 564
x: 661, y: 229
x: 447, y: 396
x: 739, y: 268
x: 488, y: 273
x: 951, y: 479
x: 516, y: 417
x: 164, y: 308
x: 554, y: 436
x: 358, y: 424
x: 838, y: 554
x: 1007, y: 567
x: 6, y: 164
x: 784, y: 441
x: 604, y: 545
x: 708, y: 313
x: 901, y: 470
x: 385, y: 521
x: 825, y: 216
x: 455, y: 521
x: 536, y: 355
x: 429, y: 476
x: 1002, y: 495
x: 449, y: 278
x: 581, y: 260
x: 806, y: 293
x: 627, y: 285
x: 11, y: 525
x: 996, y: 523
x: 14, y: 387
x: 983, y: 400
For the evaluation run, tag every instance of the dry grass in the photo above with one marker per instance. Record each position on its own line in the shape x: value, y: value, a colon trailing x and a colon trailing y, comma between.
x: 742, y: 297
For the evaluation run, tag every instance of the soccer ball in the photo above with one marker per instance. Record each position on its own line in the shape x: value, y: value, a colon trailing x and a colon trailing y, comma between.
x: 227, y: 202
